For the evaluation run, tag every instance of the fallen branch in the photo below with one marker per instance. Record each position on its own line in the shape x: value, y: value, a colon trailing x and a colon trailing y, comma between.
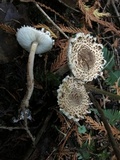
x: 107, y: 127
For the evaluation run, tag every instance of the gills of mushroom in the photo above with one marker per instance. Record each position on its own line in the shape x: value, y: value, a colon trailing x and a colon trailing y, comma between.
x: 85, y: 57
x: 35, y: 42
x: 73, y: 99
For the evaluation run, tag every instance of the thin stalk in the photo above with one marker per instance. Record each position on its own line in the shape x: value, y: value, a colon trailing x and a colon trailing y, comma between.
x: 30, y: 76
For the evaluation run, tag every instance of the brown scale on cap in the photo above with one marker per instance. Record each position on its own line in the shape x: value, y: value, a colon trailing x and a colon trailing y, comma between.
x: 86, y: 58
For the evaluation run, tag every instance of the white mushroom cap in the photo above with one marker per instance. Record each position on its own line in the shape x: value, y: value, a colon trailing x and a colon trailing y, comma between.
x: 85, y: 57
x: 27, y: 35
x: 73, y: 99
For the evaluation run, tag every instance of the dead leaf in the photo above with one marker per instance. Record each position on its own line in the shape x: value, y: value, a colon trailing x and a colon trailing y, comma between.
x: 90, y: 17
x: 8, y: 12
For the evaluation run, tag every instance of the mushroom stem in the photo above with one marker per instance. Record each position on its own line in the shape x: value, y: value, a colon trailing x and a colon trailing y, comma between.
x: 30, y: 76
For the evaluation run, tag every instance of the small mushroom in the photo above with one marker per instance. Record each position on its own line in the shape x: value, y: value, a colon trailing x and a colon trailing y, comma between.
x: 35, y: 42
x: 73, y: 99
x: 85, y: 57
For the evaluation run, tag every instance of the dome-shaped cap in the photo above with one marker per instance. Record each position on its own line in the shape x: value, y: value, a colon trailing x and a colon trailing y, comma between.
x: 73, y: 99
x: 27, y: 35
x: 85, y: 57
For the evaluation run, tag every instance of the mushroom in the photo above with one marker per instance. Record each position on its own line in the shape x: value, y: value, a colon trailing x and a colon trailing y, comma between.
x: 35, y: 42
x: 85, y: 57
x: 73, y: 99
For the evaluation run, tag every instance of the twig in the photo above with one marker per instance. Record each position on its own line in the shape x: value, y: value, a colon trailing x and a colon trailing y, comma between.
x: 66, y: 137
x: 11, y: 128
x: 107, y: 4
x: 51, y: 154
x: 94, y: 89
x: 104, y: 101
x: 69, y: 6
x: 107, y: 127
x: 26, y: 126
x: 38, y: 137
x: 9, y: 93
x: 58, y: 28
x: 115, y: 8
x: 19, y: 128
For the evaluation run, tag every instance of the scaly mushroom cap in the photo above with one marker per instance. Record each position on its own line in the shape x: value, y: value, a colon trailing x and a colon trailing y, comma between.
x: 85, y: 57
x: 27, y: 35
x: 73, y: 99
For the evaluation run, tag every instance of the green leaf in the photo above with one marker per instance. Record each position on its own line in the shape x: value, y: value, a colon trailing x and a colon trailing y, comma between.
x: 95, y: 111
x: 80, y: 157
x: 82, y: 129
x: 109, y: 57
x: 52, y: 79
x: 104, y: 155
x: 112, y: 116
x: 113, y: 77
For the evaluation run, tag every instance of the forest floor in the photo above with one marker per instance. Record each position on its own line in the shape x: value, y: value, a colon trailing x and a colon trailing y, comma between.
x: 50, y: 135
